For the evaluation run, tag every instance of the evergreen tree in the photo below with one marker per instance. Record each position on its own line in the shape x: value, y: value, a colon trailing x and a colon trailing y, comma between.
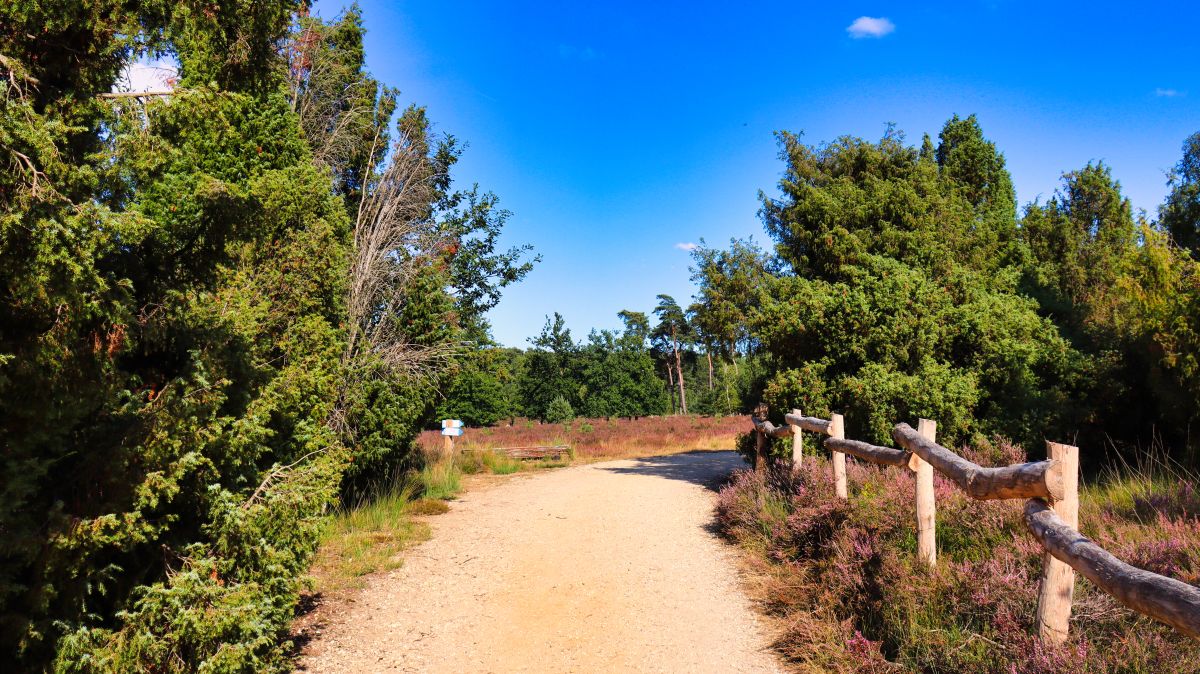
x: 209, y: 322
x: 673, y: 329
x: 895, y: 301
x: 1180, y: 215
x: 547, y: 368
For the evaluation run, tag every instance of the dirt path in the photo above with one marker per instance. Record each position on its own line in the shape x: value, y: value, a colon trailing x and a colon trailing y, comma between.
x: 603, y: 567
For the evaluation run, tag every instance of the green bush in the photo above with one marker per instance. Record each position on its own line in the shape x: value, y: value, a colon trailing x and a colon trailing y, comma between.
x: 181, y: 401
x: 559, y: 411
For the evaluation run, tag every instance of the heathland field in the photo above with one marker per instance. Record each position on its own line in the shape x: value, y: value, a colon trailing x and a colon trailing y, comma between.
x: 596, y: 439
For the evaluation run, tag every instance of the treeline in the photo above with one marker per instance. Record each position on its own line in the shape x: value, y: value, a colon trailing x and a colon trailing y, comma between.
x: 904, y: 282
x: 222, y: 308
x: 644, y: 369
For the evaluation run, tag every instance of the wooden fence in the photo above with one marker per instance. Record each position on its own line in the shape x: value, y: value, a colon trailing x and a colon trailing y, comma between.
x: 1051, y: 490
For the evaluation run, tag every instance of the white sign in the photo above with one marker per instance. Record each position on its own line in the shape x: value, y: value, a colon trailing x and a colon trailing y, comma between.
x: 451, y: 423
x: 452, y: 432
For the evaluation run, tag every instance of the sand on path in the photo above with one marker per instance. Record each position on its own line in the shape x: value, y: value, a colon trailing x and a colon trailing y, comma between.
x: 607, y: 567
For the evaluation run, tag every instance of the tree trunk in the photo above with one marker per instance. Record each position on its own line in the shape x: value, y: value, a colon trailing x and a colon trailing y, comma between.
x: 708, y: 353
x: 679, y: 371
x: 671, y: 385
x: 725, y: 378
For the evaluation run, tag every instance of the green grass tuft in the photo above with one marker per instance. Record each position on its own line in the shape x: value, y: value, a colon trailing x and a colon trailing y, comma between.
x: 442, y: 480
x: 368, y: 537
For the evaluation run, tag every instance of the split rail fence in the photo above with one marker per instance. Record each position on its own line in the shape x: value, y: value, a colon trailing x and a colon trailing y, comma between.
x: 1051, y: 490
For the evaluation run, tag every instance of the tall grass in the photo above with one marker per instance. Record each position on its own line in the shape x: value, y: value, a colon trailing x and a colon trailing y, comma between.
x: 440, y: 480
x: 487, y: 461
x: 843, y: 579
x: 368, y: 536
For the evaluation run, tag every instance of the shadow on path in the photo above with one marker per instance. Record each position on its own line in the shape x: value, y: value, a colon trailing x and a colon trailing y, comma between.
x: 706, y: 468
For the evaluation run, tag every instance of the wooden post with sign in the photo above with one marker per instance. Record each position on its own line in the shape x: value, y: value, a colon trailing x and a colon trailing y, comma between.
x: 451, y: 428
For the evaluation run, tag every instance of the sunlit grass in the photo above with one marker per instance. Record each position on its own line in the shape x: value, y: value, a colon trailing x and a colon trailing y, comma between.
x: 440, y: 480
x: 369, y: 537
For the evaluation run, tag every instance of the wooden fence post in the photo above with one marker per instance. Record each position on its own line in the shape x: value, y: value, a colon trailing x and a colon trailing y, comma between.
x: 926, y: 507
x: 797, y: 443
x: 760, y: 439
x: 837, y: 429
x: 760, y: 459
x: 1058, y: 579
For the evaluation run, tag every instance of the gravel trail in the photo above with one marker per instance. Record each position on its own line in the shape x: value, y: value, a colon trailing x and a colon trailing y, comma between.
x: 607, y: 567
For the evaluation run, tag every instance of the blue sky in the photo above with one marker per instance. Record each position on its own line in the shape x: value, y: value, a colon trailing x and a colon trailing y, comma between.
x: 615, y: 131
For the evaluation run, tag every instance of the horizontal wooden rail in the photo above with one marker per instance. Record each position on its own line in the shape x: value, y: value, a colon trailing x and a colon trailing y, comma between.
x: 1171, y: 601
x: 808, y: 423
x: 1038, y: 479
x: 771, y: 430
x: 868, y: 452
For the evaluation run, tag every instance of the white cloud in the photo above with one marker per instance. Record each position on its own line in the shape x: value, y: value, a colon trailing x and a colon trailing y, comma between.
x: 689, y: 246
x: 1169, y: 93
x: 869, y: 26
x: 144, y: 75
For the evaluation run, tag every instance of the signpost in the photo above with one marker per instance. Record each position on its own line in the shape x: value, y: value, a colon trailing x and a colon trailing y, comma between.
x: 451, y: 428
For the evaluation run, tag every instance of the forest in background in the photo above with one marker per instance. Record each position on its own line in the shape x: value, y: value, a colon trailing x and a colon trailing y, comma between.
x: 905, y: 283
x: 224, y: 308
x: 634, y: 372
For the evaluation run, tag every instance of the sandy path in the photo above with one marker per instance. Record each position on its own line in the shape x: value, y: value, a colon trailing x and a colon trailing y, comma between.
x: 603, y: 567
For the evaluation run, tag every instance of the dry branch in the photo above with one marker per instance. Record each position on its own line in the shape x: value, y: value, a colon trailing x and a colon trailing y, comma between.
x: 808, y: 423
x: 1039, y: 479
x: 1165, y: 599
x: 395, y: 242
x: 868, y: 452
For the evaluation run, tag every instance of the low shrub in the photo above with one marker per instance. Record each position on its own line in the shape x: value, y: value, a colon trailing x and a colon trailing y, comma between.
x: 844, y: 580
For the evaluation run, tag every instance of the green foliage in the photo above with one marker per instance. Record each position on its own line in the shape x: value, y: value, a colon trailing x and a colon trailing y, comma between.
x: 484, y: 391
x: 932, y: 391
x: 179, y: 404
x: 900, y: 302
x: 728, y: 291
x: 904, y: 285
x: 1181, y: 213
x: 611, y: 375
x: 559, y: 411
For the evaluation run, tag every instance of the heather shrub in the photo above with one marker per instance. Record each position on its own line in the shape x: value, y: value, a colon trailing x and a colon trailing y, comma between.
x: 843, y: 578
